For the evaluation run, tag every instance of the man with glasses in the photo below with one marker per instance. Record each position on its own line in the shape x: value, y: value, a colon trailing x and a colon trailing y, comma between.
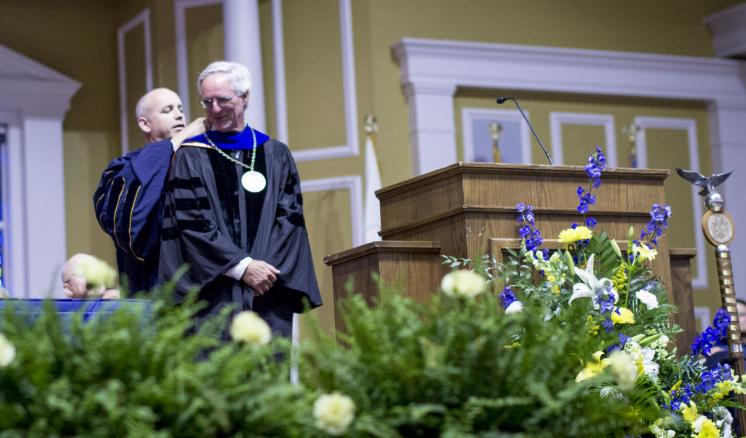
x: 234, y: 212
x: 128, y: 198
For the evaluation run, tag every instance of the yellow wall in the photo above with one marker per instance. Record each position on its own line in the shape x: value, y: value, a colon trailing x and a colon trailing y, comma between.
x: 79, y: 40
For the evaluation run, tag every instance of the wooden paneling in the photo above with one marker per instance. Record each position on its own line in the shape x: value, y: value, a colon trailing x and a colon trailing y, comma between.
x: 412, y: 267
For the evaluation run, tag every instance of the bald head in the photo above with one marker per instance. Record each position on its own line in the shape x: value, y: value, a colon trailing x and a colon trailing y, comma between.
x: 159, y: 114
x: 75, y: 284
x: 84, y: 274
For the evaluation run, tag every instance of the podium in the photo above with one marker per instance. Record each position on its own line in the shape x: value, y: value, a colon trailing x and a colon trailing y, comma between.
x: 469, y: 209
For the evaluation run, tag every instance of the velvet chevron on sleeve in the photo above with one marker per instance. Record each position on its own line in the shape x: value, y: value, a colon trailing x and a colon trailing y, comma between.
x: 127, y: 205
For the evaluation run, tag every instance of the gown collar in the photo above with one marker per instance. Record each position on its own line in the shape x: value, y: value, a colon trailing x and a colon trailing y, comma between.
x: 233, y: 140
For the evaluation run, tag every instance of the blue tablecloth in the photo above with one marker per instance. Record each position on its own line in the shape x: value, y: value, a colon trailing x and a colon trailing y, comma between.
x: 66, y: 308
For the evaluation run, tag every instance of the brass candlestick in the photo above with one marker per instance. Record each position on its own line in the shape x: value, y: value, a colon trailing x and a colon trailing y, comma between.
x: 719, y: 229
x: 371, y: 124
x: 496, y: 130
x: 631, y: 132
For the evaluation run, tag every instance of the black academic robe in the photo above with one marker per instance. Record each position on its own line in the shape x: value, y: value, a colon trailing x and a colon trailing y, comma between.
x: 210, y: 224
x: 128, y: 207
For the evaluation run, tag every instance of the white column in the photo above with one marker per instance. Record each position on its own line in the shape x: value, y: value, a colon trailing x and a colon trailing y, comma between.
x: 44, y: 184
x: 728, y: 138
x: 243, y: 44
x: 432, y: 126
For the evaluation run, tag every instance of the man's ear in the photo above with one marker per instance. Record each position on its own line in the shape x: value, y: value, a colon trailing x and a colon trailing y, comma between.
x: 246, y: 101
x: 144, y: 124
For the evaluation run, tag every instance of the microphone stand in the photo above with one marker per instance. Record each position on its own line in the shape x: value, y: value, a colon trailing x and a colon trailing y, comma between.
x: 502, y: 100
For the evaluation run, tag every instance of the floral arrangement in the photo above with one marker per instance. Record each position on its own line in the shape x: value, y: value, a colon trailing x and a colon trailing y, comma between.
x: 627, y: 319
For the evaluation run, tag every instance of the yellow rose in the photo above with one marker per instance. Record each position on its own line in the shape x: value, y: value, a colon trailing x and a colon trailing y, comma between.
x: 622, y: 315
x: 249, y: 327
x: 463, y: 282
x: 572, y: 235
x: 334, y: 413
x: 7, y: 351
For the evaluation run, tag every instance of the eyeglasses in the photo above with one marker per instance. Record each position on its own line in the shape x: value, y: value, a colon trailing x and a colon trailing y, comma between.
x: 222, y: 101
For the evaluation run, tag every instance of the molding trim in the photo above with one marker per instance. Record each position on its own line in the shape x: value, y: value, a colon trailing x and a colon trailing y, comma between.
x: 539, y: 68
x: 354, y: 184
x: 144, y: 19
x: 33, y: 88
x: 557, y: 119
x: 728, y: 28
x: 469, y: 115
x: 352, y: 146
x: 182, y: 62
x: 690, y: 126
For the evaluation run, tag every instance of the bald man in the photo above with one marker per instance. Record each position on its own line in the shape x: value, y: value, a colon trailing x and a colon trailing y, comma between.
x: 128, y: 198
x: 85, y: 276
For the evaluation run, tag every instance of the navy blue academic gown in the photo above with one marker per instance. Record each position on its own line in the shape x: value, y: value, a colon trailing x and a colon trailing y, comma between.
x: 128, y: 205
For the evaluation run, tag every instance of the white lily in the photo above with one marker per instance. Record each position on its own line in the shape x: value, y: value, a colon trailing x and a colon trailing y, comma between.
x: 590, y: 284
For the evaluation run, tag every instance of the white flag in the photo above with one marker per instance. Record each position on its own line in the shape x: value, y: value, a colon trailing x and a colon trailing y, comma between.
x: 372, y: 209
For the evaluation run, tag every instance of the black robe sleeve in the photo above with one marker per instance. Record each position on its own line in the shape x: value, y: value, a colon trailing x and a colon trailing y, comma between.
x: 194, y: 231
x: 287, y: 246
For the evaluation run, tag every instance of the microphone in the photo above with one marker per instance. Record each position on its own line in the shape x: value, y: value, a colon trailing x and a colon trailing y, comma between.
x: 502, y: 100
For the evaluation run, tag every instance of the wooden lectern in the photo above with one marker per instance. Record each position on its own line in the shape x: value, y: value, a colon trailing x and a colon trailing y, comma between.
x: 468, y: 209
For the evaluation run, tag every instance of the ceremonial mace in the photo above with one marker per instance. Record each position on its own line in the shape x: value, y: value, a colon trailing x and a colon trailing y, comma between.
x: 719, y: 229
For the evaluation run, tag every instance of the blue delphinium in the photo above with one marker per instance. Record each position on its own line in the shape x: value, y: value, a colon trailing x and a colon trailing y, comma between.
x: 596, y: 165
x: 707, y: 382
x: 712, y: 335
x: 527, y: 228
x: 507, y: 297
x: 606, y: 306
x: 657, y: 225
x: 679, y: 396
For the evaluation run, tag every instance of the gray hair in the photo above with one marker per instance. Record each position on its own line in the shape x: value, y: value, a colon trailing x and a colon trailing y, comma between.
x: 239, y: 75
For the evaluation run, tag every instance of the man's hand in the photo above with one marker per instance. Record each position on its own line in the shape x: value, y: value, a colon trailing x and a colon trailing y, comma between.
x: 197, y: 127
x: 260, y: 276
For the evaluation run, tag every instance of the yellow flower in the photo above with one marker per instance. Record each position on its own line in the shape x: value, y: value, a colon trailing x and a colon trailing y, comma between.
x: 643, y: 252
x: 689, y: 412
x: 572, y: 235
x: 249, y: 327
x: 7, y: 351
x: 707, y: 429
x: 676, y: 385
x: 592, y: 368
x: 724, y: 388
x: 334, y: 413
x: 592, y: 326
x: 464, y: 283
x: 622, y: 315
